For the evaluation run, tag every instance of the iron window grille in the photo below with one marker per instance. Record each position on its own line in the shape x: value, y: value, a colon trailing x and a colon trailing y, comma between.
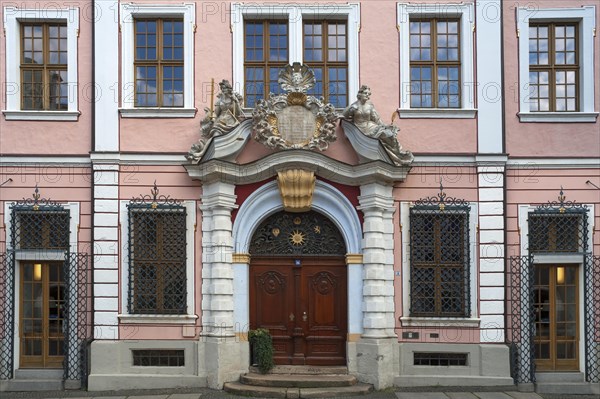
x: 555, y: 227
x: 439, y: 359
x: 439, y: 257
x: 157, y: 255
x: 158, y: 357
x: 39, y: 225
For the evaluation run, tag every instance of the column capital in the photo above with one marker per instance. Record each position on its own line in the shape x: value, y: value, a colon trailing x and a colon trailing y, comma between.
x: 218, y: 195
x: 376, y: 196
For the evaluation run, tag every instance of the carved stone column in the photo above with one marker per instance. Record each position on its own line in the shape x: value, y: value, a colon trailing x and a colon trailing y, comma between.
x: 377, y: 350
x: 223, y: 357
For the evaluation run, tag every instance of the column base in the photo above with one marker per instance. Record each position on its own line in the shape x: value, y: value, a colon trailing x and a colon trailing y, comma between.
x: 374, y: 361
x: 222, y: 359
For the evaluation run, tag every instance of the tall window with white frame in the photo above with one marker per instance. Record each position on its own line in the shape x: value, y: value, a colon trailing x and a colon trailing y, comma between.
x: 435, y: 63
x: 157, y: 259
x: 326, y: 52
x: 553, y: 67
x: 265, y: 53
x: 159, y: 62
x: 439, y: 261
x: 44, y: 66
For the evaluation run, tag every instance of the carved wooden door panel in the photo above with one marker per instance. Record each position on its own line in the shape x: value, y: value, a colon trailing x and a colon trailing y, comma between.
x: 272, y: 298
x: 324, y: 294
x: 304, y: 306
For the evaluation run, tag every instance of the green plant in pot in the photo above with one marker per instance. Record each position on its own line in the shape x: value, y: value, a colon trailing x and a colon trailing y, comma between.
x: 261, y: 345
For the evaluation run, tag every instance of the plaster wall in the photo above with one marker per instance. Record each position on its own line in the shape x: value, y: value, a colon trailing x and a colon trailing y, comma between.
x: 48, y: 137
x: 544, y: 139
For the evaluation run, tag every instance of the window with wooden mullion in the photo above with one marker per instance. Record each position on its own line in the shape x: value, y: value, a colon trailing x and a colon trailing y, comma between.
x: 159, y: 63
x: 326, y: 52
x: 553, y: 68
x: 265, y: 53
x: 435, y: 63
x: 44, y: 66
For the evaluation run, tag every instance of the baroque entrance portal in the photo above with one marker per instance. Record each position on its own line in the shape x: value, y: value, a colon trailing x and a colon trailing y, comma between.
x: 298, y: 288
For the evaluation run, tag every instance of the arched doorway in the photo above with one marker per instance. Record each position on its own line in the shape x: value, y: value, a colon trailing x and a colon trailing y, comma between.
x: 298, y: 287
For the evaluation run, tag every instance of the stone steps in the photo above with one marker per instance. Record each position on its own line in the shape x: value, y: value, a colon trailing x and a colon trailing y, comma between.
x: 34, y: 380
x: 562, y: 383
x: 291, y: 392
x: 299, y: 382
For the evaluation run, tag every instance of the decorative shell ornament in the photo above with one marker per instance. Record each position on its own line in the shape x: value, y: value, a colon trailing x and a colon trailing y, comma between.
x: 294, y: 120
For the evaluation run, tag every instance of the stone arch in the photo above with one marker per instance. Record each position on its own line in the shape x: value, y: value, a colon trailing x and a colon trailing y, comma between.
x: 328, y: 201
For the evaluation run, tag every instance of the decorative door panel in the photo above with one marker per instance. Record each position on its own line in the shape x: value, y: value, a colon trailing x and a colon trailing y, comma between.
x: 303, y: 303
x: 271, y: 293
x: 324, y: 290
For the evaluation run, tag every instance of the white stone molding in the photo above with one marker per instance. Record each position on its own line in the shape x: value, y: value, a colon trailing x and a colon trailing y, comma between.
x: 106, y: 75
x: 586, y: 16
x: 131, y: 11
x: 190, y: 317
x: 326, y: 199
x: 13, y: 16
x: 406, y: 319
x: 491, y: 183
x: 489, y: 85
x: 436, y: 113
x: 317, y: 162
x: 218, y: 200
x: 296, y: 14
x: 465, y: 12
x: 377, y: 204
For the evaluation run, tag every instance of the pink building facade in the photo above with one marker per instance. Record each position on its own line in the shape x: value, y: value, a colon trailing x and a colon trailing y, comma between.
x: 438, y: 227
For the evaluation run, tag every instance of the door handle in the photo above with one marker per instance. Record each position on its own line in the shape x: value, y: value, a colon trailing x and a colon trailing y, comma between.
x: 304, y: 316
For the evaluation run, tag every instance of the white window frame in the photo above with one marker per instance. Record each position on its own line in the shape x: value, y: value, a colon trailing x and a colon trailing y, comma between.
x: 466, y: 14
x: 586, y: 17
x: 190, y: 317
x: 13, y: 17
x: 414, y: 321
x: 296, y: 14
x: 129, y: 12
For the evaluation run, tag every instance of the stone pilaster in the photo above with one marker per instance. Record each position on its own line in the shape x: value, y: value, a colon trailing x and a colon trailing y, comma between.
x: 491, y: 256
x: 222, y: 356
x: 377, y: 350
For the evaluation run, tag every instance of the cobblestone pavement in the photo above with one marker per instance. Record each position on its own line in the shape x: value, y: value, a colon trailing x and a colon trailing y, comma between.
x: 204, y: 393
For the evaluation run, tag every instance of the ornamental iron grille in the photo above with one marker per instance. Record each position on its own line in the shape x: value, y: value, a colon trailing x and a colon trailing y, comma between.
x: 40, y: 227
x: 304, y: 233
x: 157, y: 255
x: 521, y: 323
x: 557, y: 227
x: 440, y: 257
x: 591, y: 278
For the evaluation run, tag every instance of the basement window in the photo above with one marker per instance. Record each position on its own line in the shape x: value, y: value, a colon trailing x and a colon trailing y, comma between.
x: 440, y: 359
x: 158, y: 358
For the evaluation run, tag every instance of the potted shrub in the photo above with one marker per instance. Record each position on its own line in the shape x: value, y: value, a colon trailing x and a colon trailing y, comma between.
x: 261, y: 349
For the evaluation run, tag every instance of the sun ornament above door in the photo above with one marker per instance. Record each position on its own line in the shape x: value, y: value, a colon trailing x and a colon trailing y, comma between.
x: 293, y: 119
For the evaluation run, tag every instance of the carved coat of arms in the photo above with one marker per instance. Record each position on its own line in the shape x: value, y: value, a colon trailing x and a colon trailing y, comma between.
x: 293, y: 119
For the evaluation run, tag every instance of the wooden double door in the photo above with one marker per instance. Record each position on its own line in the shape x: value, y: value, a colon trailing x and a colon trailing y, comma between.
x: 303, y: 303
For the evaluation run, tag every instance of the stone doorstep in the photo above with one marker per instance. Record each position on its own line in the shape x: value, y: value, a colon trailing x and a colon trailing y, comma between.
x: 308, y: 370
x: 281, y: 392
x: 298, y: 380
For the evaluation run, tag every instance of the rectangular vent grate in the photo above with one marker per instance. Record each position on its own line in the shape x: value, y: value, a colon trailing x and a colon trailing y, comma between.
x: 440, y: 359
x: 158, y: 358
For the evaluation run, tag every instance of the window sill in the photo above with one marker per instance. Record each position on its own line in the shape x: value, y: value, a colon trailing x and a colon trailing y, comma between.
x: 157, y: 319
x: 436, y: 113
x: 563, y: 117
x: 62, y: 116
x: 157, y: 112
x: 439, y: 322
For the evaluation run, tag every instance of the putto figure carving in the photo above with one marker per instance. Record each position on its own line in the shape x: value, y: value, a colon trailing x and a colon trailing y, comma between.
x: 362, y: 113
x: 225, y: 117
